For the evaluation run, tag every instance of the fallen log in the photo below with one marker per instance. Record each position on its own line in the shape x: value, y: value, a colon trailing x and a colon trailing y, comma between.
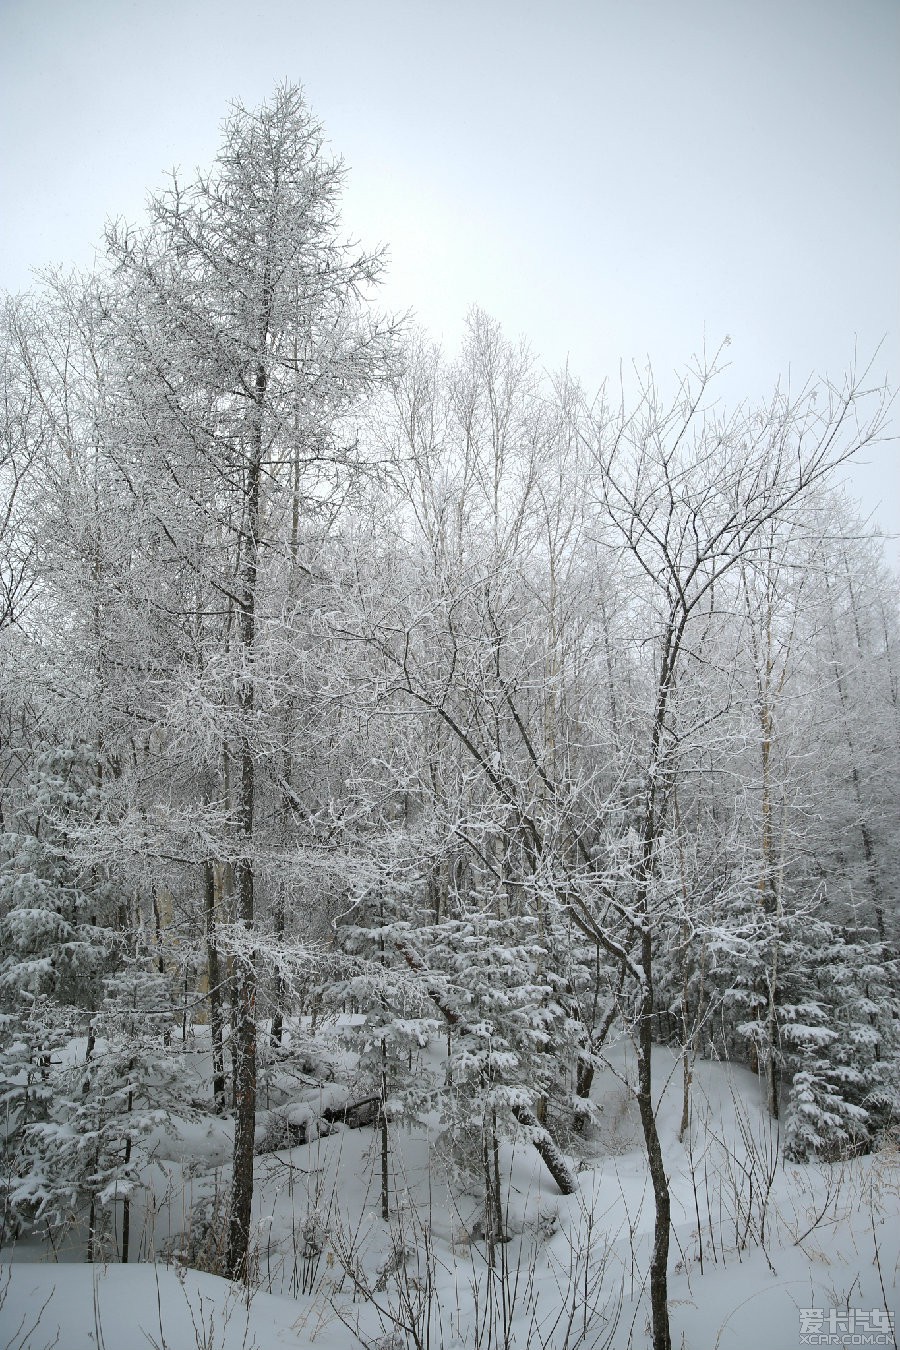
x: 548, y: 1149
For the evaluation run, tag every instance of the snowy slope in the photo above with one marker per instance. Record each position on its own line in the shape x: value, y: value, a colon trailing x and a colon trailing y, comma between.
x: 755, y: 1241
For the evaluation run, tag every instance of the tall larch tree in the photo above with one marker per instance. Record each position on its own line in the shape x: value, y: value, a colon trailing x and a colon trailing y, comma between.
x: 250, y: 339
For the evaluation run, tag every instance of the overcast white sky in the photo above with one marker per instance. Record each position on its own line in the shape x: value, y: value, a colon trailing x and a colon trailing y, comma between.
x: 612, y: 178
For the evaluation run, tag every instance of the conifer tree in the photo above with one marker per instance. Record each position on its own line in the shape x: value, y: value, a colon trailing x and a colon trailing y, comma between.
x: 249, y: 343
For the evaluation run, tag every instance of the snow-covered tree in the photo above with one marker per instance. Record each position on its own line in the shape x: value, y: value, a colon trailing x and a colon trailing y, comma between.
x: 57, y: 911
x: 81, y: 1157
x: 248, y: 346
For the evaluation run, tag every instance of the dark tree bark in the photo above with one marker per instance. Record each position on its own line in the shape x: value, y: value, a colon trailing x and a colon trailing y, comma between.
x: 659, y: 1262
x: 126, y: 1203
x: 214, y: 982
x: 245, y: 1031
x: 547, y: 1150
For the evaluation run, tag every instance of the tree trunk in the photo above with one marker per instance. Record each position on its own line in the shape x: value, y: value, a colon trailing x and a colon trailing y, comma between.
x: 652, y: 827
x: 245, y: 1123
x: 157, y: 925
x: 91, y: 1236
x: 278, y: 993
x: 659, y: 1263
x: 126, y: 1204
x: 584, y: 1078
x: 214, y: 990
x: 844, y: 700
x: 245, y: 1032
x: 773, y: 1086
x: 549, y: 1153
x: 244, y: 1038
x: 385, y: 1155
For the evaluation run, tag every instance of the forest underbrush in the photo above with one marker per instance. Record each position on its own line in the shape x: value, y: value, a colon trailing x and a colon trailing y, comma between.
x: 759, y: 1244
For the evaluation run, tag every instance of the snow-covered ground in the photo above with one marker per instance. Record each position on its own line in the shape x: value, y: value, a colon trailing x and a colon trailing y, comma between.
x: 756, y: 1242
